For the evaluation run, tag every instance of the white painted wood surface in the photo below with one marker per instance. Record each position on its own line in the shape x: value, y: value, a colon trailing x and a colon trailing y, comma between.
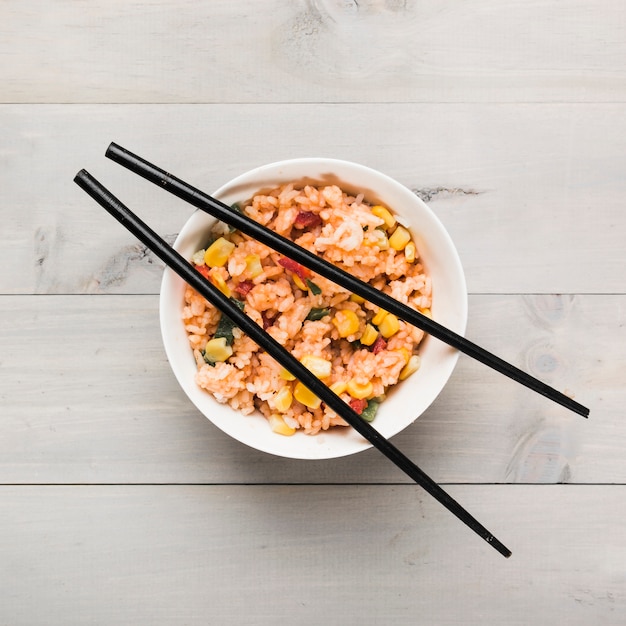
x: 510, y: 182
x: 313, y: 51
x: 311, y: 555
x: 104, y: 406
x: 119, y: 504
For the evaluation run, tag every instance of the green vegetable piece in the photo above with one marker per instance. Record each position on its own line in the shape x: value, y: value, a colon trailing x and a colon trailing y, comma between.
x: 317, y: 314
x: 369, y: 412
x: 225, y: 329
x: 225, y: 325
x: 315, y: 290
x: 235, y: 207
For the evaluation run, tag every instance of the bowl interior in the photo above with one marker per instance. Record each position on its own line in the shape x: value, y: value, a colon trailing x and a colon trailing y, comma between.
x: 406, y: 401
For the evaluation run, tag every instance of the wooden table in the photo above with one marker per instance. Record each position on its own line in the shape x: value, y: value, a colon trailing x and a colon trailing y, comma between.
x: 121, y: 504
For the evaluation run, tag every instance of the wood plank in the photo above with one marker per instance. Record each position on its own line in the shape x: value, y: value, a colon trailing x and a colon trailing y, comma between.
x: 531, y: 194
x: 121, y: 504
x: 328, y: 51
x: 315, y: 554
x: 88, y: 397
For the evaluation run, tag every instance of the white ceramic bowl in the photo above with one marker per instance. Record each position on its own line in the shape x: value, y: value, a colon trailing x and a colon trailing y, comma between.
x: 408, y: 400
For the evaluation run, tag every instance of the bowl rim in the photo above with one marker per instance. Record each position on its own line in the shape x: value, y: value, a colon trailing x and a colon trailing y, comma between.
x: 326, y: 445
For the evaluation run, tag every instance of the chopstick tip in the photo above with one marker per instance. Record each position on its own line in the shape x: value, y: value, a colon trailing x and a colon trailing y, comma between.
x: 81, y: 175
x: 499, y: 546
x: 581, y: 410
x: 113, y: 147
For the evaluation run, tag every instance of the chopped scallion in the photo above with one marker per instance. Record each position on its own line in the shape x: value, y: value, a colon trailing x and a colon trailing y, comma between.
x: 369, y: 412
x: 225, y: 325
x: 235, y: 207
x: 317, y: 314
x: 315, y: 290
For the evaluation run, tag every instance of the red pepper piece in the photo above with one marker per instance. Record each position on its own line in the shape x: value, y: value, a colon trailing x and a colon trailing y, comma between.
x: 296, y: 268
x: 244, y: 287
x: 379, y: 345
x: 203, y: 269
x: 307, y: 219
x: 358, y: 405
x: 268, y: 320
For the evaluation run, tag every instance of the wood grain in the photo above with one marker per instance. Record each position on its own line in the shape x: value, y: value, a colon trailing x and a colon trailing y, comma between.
x: 531, y: 194
x: 121, y: 504
x: 89, y: 398
x: 313, y: 51
x: 317, y: 554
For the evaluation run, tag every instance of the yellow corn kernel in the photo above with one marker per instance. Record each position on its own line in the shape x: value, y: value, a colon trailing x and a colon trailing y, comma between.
x: 253, y: 265
x: 410, y: 252
x: 378, y: 238
x: 379, y: 317
x: 278, y: 425
x: 217, y: 350
x: 283, y: 399
x: 406, y: 355
x: 220, y: 283
x: 346, y: 321
x: 357, y: 299
x: 338, y: 387
x: 322, y: 368
x: 389, y: 326
x: 369, y: 335
x: 385, y: 215
x: 299, y: 282
x: 359, y: 391
x: 306, y: 396
x: 285, y: 374
x: 411, y: 367
x: 400, y: 238
x: 218, y: 252
x: 427, y: 313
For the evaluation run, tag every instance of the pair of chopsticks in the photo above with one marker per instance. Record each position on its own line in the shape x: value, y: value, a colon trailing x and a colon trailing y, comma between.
x: 205, y: 288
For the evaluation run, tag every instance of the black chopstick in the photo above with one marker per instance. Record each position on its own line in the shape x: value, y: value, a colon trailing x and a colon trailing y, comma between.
x: 225, y: 214
x: 205, y: 288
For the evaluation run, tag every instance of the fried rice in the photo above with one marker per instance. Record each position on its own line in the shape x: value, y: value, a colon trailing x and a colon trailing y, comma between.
x: 358, y: 350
